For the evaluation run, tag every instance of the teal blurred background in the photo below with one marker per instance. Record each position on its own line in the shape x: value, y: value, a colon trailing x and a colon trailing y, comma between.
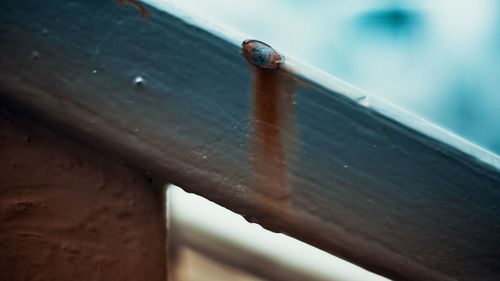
x: 437, y: 59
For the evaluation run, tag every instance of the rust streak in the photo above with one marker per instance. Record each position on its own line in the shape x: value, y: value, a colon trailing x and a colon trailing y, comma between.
x: 271, y: 119
x: 268, y: 148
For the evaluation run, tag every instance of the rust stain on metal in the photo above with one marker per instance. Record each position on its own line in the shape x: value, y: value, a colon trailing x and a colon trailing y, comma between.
x: 272, y: 126
x: 142, y: 8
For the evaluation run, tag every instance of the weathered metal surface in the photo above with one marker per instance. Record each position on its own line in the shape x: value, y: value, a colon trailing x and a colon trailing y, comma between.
x: 357, y: 184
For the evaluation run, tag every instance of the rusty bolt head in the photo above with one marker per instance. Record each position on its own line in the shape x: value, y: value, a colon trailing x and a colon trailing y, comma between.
x: 261, y: 54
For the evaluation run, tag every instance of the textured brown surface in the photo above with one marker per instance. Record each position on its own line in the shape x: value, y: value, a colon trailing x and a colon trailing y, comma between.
x: 68, y: 213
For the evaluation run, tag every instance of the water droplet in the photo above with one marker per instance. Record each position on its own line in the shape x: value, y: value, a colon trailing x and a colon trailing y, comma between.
x: 345, y: 166
x: 138, y: 81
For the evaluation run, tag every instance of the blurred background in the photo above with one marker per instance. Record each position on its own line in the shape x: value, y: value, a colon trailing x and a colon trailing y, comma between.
x: 437, y: 59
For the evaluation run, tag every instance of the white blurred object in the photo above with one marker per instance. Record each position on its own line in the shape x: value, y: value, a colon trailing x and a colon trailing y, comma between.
x: 220, y: 234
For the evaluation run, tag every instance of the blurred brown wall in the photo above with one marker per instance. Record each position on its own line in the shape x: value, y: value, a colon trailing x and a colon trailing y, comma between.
x: 69, y: 213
